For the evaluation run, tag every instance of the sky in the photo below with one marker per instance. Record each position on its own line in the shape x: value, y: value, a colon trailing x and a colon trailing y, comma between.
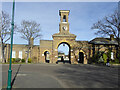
x: 81, y: 18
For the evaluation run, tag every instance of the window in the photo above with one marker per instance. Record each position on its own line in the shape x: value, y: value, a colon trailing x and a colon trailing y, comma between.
x: 20, y: 54
x: 64, y: 18
x: 13, y: 54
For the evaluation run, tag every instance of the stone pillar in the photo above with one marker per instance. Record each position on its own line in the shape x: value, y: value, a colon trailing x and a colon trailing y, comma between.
x: 73, y: 61
x: 66, y: 18
x: 42, y: 58
x: 85, y: 59
x: 50, y: 58
x: 55, y: 55
x: 61, y: 18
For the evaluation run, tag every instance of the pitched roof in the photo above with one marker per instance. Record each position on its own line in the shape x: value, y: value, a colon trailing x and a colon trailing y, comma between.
x: 102, y: 41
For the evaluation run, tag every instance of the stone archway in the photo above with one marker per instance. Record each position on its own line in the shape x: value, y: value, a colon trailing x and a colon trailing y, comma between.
x: 64, y: 58
x: 82, y: 57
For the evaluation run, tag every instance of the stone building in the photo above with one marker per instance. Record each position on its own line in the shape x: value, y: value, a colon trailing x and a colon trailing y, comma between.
x: 104, y: 45
x: 79, y: 51
x: 20, y: 51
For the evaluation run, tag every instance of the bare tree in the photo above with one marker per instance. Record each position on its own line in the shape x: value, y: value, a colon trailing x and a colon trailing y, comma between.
x: 4, y: 33
x: 109, y: 25
x: 28, y: 30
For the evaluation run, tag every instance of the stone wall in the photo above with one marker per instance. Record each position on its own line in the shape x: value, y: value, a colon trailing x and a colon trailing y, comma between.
x: 17, y: 48
x: 45, y: 45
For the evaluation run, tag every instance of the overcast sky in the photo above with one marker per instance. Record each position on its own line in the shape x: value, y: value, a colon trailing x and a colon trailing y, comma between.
x: 81, y: 18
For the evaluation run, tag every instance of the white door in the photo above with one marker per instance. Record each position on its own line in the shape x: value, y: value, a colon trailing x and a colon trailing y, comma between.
x: 20, y: 54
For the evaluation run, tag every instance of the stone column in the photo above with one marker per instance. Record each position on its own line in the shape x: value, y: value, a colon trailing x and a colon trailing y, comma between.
x: 55, y: 55
x: 61, y: 19
x: 50, y: 57
x: 66, y: 18
x: 42, y: 58
x: 85, y: 59
x: 73, y: 61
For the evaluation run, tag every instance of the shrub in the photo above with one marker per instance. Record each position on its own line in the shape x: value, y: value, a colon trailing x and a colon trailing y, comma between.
x: 91, y: 60
x: 100, y: 60
x: 105, y: 58
x: 116, y: 60
x: 23, y: 60
x: 109, y: 54
x: 118, y: 57
x: 97, y: 58
x: 17, y: 60
x: 29, y: 60
x: 13, y: 60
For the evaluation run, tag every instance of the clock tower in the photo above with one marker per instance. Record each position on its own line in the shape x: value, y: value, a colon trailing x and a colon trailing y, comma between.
x: 64, y: 25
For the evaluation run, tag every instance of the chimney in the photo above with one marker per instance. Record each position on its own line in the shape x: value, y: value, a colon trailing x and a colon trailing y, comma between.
x: 111, y: 37
x: 32, y: 41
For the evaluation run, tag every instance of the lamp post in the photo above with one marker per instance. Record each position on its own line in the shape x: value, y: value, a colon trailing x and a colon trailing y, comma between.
x: 12, y: 28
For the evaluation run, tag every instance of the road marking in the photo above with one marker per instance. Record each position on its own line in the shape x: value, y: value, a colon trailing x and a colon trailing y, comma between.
x: 21, y: 74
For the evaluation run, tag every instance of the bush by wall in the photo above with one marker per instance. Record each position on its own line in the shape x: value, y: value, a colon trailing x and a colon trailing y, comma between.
x: 116, y: 60
x: 97, y: 58
x: 29, y: 60
x: 100, y: 61
x: 13, y: 60
x: 101, y: 57
x: 23, y: 60
x: 17, y: 60
x: 105, y: 58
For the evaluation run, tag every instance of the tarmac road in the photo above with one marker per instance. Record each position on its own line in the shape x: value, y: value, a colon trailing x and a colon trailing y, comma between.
x: 61, y: 76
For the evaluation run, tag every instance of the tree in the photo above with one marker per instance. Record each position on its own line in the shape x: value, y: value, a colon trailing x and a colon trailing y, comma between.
x: 28, y: 30
x: 4, y: 33
x: 109, y: 25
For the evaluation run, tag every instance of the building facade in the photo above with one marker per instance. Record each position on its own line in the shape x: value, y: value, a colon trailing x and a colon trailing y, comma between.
x: 79, y: 51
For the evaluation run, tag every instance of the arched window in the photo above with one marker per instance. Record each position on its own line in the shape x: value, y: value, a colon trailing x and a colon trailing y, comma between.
x: 64, y: 18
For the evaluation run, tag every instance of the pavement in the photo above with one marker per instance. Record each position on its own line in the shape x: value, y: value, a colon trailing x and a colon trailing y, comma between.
x: 61, y: 76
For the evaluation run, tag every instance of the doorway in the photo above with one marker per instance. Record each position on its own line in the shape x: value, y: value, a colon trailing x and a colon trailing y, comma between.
x: 47, y: 56
x: 81, y: 57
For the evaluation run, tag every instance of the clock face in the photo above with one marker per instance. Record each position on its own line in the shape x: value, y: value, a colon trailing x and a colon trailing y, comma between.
x: 64, y: 28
